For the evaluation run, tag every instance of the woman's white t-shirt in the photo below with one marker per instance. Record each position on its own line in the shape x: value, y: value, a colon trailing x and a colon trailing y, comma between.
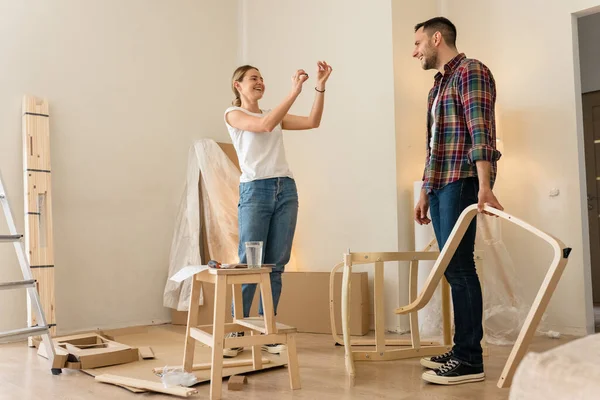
x: 261, y: 155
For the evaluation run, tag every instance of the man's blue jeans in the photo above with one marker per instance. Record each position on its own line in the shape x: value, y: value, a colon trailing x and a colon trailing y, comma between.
x: 267, y: 212
x: 446, y: 204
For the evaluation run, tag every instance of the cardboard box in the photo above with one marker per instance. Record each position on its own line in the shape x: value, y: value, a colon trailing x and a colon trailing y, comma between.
x: 304, y: 303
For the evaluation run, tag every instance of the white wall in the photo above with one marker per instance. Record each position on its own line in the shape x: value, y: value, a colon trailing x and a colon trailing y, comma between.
x: 589, y: 52
x: 130, y: 84
x: 346, y: 169
x: 530, y: 49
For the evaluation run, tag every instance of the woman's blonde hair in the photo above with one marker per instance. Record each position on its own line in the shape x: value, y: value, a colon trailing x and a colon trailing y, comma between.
x: 238, y: 76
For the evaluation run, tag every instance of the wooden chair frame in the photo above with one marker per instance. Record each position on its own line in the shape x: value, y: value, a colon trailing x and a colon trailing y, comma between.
x: 418, y: 346
x: 561, y: 253
x: 446, y: 305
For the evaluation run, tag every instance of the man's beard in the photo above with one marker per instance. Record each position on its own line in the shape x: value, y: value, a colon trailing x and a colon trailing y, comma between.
x: 430, y: 61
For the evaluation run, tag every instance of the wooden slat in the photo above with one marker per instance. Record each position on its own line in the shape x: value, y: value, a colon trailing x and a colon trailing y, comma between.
x: 206, y: 366
x: 394, y: 256
x: 399, y: 354
x: 379, y: 294
x: 201, y: 336
x: 39, y: 244
x: 412, y: 295
x: 258, y: 324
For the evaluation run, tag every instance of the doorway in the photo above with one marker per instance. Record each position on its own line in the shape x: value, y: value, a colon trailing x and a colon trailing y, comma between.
x: 588, y: 28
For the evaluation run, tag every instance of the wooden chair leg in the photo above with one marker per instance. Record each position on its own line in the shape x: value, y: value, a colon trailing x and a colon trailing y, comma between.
x: 412, y: 296
x: 346, y: 318
x: 256, y: 354
x: 293, y: 367
x: 446, y: 314
x: 238, y: 307
x: 378, y: 288
x: 192, y: 322
x: 216, y: 372
x: 534, y: 317
x: 267, y: 300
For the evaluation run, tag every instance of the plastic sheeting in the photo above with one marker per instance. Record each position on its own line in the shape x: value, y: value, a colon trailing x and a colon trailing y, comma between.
x: 219, y: 182
x: 504, y: 310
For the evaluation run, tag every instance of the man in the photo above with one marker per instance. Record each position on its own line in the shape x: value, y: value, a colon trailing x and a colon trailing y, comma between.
x: 460, y: 170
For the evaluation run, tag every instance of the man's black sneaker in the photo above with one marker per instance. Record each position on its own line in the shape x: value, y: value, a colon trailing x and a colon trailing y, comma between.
x: 455, y: 372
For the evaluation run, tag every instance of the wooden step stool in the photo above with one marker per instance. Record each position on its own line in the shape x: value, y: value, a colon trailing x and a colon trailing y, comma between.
x: 263, y: 330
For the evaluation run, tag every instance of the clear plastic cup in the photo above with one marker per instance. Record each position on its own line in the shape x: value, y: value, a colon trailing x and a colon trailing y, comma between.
x: 254, y: 254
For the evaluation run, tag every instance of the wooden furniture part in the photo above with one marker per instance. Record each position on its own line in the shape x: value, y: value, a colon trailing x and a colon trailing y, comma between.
x: 38, y: 204
x: 561, y: 254
x: 371, y: 342
x: 447, y: 330
x: 418, y: 348
x: 226, y: 364
x: 237, y: 382
x: 258, y: 331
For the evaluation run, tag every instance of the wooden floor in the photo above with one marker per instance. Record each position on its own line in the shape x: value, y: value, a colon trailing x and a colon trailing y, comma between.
x: 26, y: 376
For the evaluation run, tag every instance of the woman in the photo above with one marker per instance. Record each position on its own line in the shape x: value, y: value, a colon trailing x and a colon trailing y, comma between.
x: 268, y: 204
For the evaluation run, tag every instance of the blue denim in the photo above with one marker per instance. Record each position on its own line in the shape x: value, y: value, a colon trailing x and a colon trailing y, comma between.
x: 267, y: 212
x: 446, y: 205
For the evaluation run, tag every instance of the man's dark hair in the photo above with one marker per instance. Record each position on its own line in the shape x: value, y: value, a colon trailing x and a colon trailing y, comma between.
x: 442, y: 25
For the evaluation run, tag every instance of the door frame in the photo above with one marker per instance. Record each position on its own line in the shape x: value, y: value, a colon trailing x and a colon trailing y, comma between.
x: 587, y: 264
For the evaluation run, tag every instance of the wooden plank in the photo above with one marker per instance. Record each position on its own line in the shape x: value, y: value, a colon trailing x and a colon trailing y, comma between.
x: 400, y: 354
x: 146, y: 352
x: 378, y: 288
x: 202, y: 337
x: 226, y: 364
x: 147, y: 385
x: 412, y: 295
x: 236, y: 382
x: 393, y: 256
x: 251, y: 340
x: 39, y: 245
x: 241, y: 271
x: 258, y: 324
